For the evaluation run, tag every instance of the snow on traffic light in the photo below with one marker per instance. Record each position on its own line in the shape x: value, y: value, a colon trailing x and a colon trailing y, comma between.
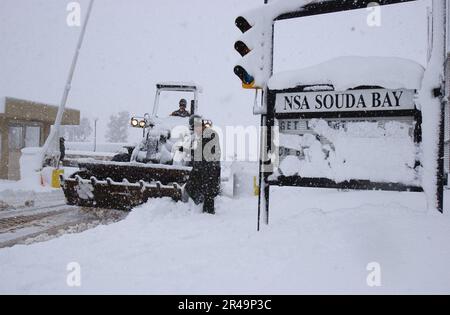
x: 254, y: 68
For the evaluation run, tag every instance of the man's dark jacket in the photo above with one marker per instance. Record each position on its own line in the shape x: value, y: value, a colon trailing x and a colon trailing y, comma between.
x: 204, y: 180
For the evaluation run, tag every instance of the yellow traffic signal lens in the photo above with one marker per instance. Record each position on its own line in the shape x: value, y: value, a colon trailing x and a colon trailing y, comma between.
x: 142, y: 124
x: 249, y: 86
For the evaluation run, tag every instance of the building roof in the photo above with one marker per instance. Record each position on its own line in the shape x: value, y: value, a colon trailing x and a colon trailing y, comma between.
x: 19, y: 109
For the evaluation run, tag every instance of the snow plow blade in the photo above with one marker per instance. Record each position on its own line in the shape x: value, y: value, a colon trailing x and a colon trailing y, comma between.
x: 122, y: 186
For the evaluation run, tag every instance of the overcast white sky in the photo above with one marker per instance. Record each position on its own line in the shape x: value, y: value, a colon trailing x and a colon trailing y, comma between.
x: 132, y: 44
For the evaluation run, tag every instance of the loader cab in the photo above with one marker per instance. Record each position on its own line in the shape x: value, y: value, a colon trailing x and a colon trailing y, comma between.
x: 166, y: 103
x: 162, y: 132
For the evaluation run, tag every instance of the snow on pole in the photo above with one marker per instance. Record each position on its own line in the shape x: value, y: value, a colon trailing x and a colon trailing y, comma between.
x: 54, y: 132
x: 431, y: 107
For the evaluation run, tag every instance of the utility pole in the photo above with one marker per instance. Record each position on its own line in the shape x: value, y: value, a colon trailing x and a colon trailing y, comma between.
x: 95, y: 134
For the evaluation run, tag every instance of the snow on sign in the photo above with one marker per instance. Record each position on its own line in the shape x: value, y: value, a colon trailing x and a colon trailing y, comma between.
x: 369, y: 135
x: 356, y: 100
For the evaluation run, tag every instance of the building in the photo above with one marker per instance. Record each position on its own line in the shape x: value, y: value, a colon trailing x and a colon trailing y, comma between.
x: 25, y: 124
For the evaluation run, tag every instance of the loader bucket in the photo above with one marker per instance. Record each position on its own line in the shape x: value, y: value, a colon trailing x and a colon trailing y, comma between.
x: 123, y: 186
x: 135, y: 172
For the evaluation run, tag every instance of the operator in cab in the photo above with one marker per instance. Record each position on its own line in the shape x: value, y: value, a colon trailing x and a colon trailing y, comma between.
x: 181, y: 112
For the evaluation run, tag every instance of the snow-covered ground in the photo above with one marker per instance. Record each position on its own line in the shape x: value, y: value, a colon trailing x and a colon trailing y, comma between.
x: 21, y: 191
x: 319, y: 241
x: 30, y: 216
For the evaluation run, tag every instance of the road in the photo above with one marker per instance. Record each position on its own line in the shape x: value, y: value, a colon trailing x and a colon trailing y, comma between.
x: 38, y: 217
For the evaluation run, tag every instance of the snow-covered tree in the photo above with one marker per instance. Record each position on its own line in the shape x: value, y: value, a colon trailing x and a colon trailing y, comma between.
x: 118, y: 127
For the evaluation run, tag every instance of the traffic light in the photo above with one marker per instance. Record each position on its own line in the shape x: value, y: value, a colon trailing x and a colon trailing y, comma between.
x: 248, y: 80
x: 241, y: 48
x: 252, y: 70
x: 243, y: 24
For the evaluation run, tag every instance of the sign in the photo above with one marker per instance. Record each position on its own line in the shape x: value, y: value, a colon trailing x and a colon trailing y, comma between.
x: 348, y: 101
x: 286, y: 107
x: 302, y: 126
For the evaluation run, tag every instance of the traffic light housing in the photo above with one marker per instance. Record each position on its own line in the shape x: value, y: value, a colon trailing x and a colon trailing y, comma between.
x: 247, y: 79
x: 242, y: 24
x: 253, y: 69
x: 241, y: 48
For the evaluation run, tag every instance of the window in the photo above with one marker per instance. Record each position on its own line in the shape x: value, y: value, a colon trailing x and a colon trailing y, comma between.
x: 32, y: 136
x: 15, y: 137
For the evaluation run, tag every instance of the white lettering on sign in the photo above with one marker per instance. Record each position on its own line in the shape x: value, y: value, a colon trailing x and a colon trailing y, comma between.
x: 355, y: 100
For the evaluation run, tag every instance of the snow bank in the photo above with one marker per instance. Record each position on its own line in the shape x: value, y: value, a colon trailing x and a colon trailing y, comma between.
x: 349, y: 72
x: 29, y: 163
x: 16, y: 199
x: 7, y: 186
x: 322, y: 244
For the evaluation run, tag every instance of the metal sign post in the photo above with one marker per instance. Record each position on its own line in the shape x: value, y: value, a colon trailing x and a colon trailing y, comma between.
x: 440, y: 10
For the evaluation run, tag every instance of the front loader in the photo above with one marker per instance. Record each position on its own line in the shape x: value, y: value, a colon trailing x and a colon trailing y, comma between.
x: 157, y: 167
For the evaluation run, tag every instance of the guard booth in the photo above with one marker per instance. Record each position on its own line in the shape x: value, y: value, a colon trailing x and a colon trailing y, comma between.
x: 313, y: 119
x: 25, y: 124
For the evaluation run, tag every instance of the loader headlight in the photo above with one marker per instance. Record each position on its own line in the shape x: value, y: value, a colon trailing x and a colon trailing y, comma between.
x: 207, y: 123
x: 138, y: 122
x: 134, y: 122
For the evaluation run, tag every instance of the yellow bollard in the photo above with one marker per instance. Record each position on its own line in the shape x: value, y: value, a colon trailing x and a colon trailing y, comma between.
x: 56, y: 182
x: 255, y: 186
